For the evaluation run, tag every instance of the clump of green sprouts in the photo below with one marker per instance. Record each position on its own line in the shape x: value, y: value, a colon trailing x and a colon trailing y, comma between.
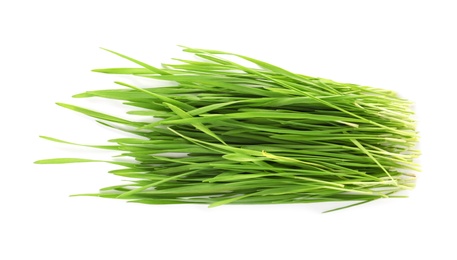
x: 229, y: 133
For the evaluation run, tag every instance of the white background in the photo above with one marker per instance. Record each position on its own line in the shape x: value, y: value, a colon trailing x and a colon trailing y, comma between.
x: 47, y: 49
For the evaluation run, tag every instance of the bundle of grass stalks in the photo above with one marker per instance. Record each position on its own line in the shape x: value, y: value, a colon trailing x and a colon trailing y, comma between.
x: 228, y: 133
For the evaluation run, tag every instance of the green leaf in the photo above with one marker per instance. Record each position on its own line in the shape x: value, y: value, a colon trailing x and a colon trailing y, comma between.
x: 147, y: 66
x: 64, y: 160
x: 99, y: 115
x: 124, y: 71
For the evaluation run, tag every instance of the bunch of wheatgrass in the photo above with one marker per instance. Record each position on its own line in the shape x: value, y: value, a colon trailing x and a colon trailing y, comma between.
x: 227, y: 133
